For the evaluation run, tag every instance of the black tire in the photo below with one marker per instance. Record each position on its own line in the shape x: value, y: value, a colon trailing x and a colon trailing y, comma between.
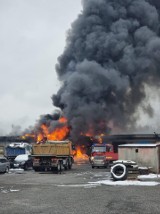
x: 119, y: 172
x: 59, y: 167
x: 66, y: 166
x: 36, y: 169
x: 92, y: 167
x: 70, y: 164
x: 42, y: 169
x: 7, y: 169
x: 26, y: 167
x: 72, y: 159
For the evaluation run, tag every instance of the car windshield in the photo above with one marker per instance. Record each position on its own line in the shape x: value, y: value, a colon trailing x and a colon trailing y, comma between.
x: 99, y: 157
x: 99, y: 149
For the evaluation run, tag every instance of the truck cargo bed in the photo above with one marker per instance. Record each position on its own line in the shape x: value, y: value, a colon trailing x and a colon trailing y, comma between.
x: 52, y: 149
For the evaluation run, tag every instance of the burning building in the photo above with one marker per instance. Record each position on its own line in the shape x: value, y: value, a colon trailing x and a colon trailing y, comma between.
x: 111, y: 56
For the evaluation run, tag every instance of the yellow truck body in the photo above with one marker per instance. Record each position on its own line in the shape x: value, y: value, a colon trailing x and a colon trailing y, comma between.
x: 52, y: 155
x: 53, y: 148
x: 1, y: 150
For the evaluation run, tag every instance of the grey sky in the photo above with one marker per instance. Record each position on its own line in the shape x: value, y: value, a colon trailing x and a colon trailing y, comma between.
x: 32, y: 36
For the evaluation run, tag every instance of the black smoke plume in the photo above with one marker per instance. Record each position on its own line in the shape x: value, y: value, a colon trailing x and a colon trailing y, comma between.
x: 112, y: 51
x: 51, y: 121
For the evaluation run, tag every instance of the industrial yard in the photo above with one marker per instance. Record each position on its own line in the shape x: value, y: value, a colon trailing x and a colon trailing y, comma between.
x: 80, y: 97
x: 74, y: 191
x: 80, y: 188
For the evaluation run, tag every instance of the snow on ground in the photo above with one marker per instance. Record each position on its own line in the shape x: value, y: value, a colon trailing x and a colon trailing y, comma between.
x: 112, y: 183
x: 4, y: 190
x: 17, y: 170
x: 79, y: 185
x: 126, y: 183
x: 149, y: 177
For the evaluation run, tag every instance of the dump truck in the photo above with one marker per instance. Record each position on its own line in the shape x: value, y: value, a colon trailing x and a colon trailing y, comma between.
x: 52, y: 155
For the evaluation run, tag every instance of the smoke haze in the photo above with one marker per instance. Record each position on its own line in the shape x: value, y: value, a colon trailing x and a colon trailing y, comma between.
x: 112, y: 54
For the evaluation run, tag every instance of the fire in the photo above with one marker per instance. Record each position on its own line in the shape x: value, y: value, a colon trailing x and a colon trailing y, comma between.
x: 99, y: 138
x: 80, y: 155
x: 63, y: 120
x: 59, y: 133
x: 26, y: 136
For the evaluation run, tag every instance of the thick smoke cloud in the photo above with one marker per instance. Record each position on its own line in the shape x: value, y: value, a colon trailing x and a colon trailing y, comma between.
x: 49, y: 120
x: 112, y: 51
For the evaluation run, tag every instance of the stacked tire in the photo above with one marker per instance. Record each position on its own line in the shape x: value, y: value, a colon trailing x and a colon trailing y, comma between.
x: 119, y: 172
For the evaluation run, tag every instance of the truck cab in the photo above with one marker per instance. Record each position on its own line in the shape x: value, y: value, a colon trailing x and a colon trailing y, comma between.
x: 17, y: 148
x: 105, y: 150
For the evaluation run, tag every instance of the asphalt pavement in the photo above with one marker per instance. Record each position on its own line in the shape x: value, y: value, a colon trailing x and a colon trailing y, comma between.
x: 73, y: 192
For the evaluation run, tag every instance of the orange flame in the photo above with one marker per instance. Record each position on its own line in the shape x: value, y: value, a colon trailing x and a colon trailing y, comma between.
x: 80, y: 155
x: 57, y: 134
x: 25, y: 136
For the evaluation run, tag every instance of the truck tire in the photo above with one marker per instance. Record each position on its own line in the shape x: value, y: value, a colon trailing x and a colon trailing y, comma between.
x: 70, y: 163
x: 66, y: 166
x: 36, y: 169
x: 119, y: 172
x: 59, y: 167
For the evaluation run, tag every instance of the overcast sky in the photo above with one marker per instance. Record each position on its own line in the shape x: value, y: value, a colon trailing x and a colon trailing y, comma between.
x: 33, y: 34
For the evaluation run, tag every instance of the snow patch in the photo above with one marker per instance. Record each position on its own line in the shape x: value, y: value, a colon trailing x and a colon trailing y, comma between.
x: 148, y: 177
x: 17, y: 170
x: 3, y: 190
x: 79, y: 185
x: 126, y: 183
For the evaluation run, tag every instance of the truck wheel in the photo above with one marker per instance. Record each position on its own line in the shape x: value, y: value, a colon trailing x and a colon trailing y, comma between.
x: 59, y: 167
x: 70, y: 166
x: 92, y: 167
x: 66, y: 166
x: 36, y: 169
x: 119, y: 172
x: 72, y: 159
x: 70, y: 163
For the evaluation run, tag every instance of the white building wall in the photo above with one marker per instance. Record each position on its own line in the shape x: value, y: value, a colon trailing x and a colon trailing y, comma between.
x: 143, y: 156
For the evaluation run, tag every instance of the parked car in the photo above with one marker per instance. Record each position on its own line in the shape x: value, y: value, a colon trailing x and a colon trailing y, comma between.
x: 23, y: 161
x: 4, y: 165
x: 99, y: 161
